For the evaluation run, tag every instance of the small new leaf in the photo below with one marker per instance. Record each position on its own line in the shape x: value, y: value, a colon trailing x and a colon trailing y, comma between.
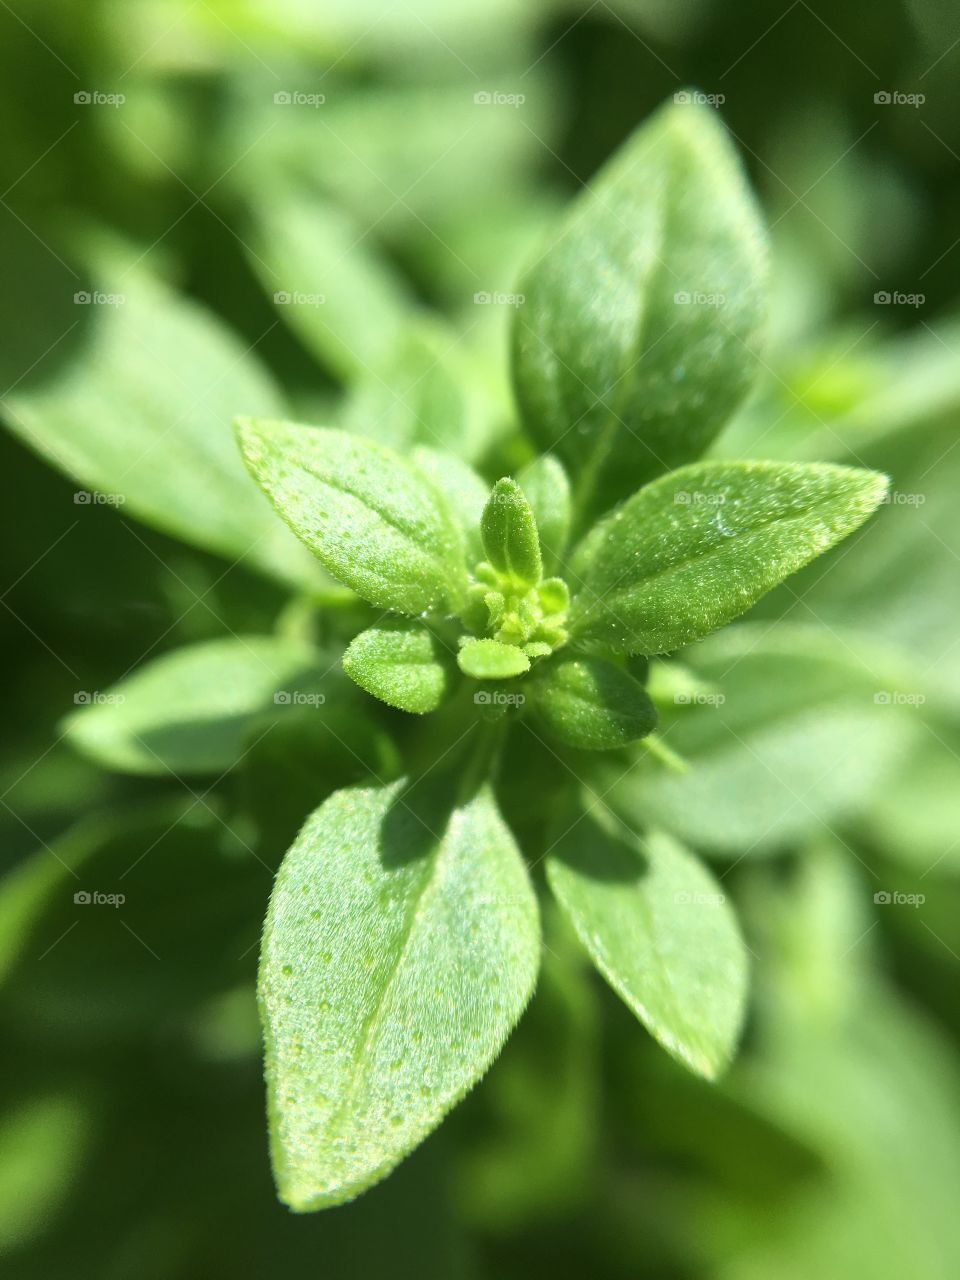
x: 696, y: 548
x: 492, y: 660
x: 509, y: 533
x: 401, y: 663
x: 656, y: 925
x: 591, y: 704
x: 400, y: 949
x: 374, y: 521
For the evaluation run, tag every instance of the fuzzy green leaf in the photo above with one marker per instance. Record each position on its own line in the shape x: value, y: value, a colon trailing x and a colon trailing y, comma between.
x: 782, y: 733
x: 696, y: 548
x: 416, y: 397
x: 139, y: 415
x: 401, y: 947
x: 371, y: 518
x: 464, y: 491
x: 492, y: 660
x: 591, y: 704
x: 192, y: 710
x: 509, y: 533
x: 547, y: 489
x: 328, y: 281
x: 656, y: 925
x: 642, y: 321
x: 402, y: 663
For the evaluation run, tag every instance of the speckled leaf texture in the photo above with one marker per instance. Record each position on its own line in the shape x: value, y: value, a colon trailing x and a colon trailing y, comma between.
x: 696, y: 548
x: 401, y: 947
x: 591, y: 704
x: 374, y: 521
x: 643, y: 317
x: 402, y: 663
x: 509, y: 532
x: 657, y: 926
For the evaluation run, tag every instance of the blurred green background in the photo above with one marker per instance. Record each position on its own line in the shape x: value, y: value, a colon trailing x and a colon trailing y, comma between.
x: 346, y: 191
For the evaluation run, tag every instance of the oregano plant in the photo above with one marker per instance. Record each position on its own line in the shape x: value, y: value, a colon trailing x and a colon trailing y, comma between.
x: 494, y: 604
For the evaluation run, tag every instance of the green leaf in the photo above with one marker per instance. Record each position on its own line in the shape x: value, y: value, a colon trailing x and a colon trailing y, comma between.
x: 400, y: 949
x: 371, y: 518
x: 782, y: 732
x: 465, y: 493
x: 547, y: 489
x: 696, y: 548
x: 656, y: 925
x: 492, y: 660
x: 44, y: 1138
x: 402, y: 663
x: 591, y: 704
x: 614, y: 369
x: 328, y: 283
x: 509, y: 533
x: 139, y: 415
x: 413, y: 398
x: 192, y: 710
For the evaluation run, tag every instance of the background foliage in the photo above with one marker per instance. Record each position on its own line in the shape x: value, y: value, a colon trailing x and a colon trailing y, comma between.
x: 824, y: 729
